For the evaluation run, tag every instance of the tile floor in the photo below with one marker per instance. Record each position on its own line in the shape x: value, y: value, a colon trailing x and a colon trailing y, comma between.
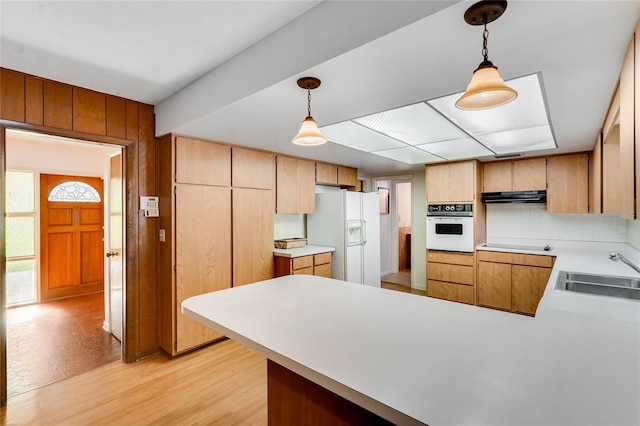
x: 53, y: 341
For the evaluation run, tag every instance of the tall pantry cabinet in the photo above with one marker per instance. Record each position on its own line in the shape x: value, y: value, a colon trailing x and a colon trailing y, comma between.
x: 215, y: 228
x: 194, y: 234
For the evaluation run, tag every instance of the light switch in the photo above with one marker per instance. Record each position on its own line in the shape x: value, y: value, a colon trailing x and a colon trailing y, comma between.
x: 162, y: 236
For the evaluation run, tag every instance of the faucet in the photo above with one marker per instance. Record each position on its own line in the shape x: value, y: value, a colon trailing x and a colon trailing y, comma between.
x: 617, y: 256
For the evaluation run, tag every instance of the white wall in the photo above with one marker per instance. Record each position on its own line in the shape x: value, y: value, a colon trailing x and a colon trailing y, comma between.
x: 531, y: 221
x: 633, y: 233
x: 289, y: 226
x: 403, y: 202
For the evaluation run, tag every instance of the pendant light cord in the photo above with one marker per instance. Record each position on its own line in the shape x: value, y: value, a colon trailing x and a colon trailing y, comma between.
x: 485, y: 36
x: 308, y: 102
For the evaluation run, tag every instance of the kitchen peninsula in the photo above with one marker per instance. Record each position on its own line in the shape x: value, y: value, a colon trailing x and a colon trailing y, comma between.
x: 413, y: 360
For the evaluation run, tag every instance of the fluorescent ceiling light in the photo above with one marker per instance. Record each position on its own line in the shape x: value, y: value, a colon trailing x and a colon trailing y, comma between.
x: 436, y: 130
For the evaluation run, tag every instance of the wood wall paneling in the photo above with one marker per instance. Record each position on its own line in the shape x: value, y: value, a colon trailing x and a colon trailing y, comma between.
x: 12, y: 97
x: 116, y: 117
x: 89, y: 111
x: 34, y: 100
x: 58, y: 105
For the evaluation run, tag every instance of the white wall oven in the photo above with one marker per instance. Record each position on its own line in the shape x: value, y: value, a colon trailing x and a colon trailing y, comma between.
x: 450, y: 227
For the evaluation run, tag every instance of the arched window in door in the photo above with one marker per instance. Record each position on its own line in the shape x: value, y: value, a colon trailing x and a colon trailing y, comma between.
x: 74, y: 191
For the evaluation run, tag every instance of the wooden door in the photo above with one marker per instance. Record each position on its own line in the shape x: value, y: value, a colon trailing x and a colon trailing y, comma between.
x: 203, y: 254
x: 71, y: 236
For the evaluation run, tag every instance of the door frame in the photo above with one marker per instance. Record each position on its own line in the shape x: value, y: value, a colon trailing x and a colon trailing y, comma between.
x: 130, y: 237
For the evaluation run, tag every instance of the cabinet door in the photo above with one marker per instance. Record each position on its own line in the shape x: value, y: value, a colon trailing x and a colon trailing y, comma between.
x: 347, y: 176
x: 568, y: 190
x: 530, y: 175
x: 253, y: 211
x: 437, y: 176
x: 627, y: 136
x: 528, y: 284
x: 203, y: 253
x: 253, y: 169
x: 595, y: 178
x: 611, y: 173
x: 462, y: 182
x: 494, y: 285
x: 295, y: 185
x: 327, y: 173
x: 497, y: 176
x: 201, y: 162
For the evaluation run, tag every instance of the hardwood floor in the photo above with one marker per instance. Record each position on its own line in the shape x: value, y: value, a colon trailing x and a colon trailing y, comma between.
x: 224, y: 384
x: 53, y: 341
x: 402, y: 277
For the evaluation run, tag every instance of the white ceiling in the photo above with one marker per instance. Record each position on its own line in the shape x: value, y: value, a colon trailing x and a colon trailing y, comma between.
x: 226, y: 70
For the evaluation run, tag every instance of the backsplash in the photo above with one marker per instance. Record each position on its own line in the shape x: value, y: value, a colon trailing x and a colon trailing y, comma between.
x: 633, y: 233
x: 531, y: 221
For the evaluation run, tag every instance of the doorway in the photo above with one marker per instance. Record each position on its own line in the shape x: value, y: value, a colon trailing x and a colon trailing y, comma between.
x: 59, y: 332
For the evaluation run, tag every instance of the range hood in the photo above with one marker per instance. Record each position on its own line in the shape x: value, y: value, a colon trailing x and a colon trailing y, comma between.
x: 515, y: 197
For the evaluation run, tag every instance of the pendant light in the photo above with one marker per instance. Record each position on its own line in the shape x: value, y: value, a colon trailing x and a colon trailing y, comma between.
x: 309, y: 135
x: 487, y: 88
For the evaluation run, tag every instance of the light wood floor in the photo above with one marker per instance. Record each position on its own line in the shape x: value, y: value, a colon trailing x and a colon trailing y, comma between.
x: 223, y: 384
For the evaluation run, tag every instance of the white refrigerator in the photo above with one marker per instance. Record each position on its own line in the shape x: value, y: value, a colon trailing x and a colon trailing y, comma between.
x: 350, y: 222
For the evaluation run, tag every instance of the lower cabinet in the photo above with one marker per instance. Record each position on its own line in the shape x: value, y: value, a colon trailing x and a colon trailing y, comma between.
x: 512, y: 281
x: 450, y: 276
x: 315, y: 264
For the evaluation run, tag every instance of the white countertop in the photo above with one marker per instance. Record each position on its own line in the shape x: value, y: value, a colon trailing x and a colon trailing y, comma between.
x: 416, y: 359
x: 302, y: 251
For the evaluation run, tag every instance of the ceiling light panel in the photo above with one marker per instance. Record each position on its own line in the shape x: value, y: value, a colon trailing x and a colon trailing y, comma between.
x: 532, y: 139
x: 409, y: 155
x: 356, y: 136
x: 527, y: 111
x: 413, y: 124
x: 457, y: 149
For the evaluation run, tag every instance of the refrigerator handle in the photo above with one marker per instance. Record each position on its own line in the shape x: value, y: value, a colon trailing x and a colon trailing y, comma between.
x: 364, y: 231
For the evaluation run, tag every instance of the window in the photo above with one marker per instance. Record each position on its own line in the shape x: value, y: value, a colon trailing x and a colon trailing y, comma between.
x: 20, y: 238
x: 74, y: 191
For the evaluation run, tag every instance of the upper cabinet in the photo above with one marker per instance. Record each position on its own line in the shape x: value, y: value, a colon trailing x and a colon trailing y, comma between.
x: 295, y: 182
x: 451, y: 182
x: 253, y: 169
x: 326, y: 174
x: 202, y: 163
x: 347, y: 176
x: 568, y: 178
x: 517, y: 175
x: 627, y: 136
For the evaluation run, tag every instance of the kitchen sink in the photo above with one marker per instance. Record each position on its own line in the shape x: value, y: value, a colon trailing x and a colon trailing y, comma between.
x: 602, y: 285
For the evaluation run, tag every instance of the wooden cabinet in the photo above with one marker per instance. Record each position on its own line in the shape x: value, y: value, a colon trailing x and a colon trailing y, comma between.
x: 595, y: 178
x: 512, y: 281
x: 295, y: 182
x: 253, y: 211
x: 517, y: 175
x: 212, y: 235
x: 326, y: 174
x: 451, y: 182
x: 451, y: 276
x: 347, y: 176
x: 253, y: 169
x: 201, y: 162
x: 194, y: 228
x: 315, y: 264
x: 568, y: 178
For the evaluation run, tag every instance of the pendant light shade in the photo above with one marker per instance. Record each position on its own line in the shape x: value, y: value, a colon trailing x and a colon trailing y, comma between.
x: 309, y: 134
x: 487, y: 88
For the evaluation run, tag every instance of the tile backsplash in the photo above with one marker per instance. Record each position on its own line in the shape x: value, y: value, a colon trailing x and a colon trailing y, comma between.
x: 531, y: 221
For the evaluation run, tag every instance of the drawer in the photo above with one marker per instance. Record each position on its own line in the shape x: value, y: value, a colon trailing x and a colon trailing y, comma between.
x: 322, y: 258
x: 516, y: 258
x: 450, y: 273
x: 303, y: 271
x: 445, y: 257
x: 323, y: 270
x: 302, y: 262
x: 450, y: 291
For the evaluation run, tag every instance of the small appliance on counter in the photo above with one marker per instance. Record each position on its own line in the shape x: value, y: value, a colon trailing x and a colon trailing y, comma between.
x: 450, y: 227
